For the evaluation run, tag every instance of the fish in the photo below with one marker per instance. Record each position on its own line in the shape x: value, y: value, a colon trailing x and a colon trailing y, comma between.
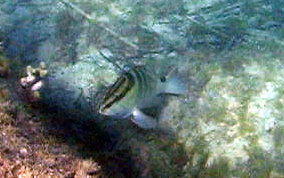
x: 135, y: 91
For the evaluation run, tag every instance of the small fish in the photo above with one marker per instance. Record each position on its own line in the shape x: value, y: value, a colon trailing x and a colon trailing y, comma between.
x: 136, y: 90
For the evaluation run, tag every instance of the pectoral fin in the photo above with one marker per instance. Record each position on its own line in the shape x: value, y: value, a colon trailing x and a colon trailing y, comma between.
x: 142, y: 120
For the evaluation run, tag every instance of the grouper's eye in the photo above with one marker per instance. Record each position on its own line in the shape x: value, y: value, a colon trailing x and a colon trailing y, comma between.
x: 163, y: 78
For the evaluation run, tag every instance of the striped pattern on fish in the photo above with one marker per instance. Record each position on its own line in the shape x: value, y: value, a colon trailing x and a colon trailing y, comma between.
x: 136, y: 82
x: 135, y: 89
x: 118, y: 90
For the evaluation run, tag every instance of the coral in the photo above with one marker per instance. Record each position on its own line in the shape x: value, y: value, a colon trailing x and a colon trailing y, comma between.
x: 33, y: 82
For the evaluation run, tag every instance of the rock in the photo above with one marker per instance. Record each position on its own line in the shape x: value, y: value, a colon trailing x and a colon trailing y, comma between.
x: 230, y: 124
x: 85, y: 168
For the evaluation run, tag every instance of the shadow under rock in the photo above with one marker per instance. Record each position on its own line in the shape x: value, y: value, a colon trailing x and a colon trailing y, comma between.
x: 132, y: 153
x: 92, y: 141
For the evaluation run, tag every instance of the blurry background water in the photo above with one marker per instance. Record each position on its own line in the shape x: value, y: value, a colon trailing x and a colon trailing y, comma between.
x: 230, y: 123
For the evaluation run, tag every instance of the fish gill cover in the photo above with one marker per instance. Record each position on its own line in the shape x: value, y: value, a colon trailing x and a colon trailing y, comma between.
x: 230, y: 122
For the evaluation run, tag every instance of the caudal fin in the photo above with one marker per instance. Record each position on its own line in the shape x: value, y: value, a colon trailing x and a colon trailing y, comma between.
x: 174, y: 85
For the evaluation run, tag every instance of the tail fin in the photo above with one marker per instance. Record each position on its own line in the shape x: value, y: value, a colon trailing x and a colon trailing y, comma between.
x: 173, y: 84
